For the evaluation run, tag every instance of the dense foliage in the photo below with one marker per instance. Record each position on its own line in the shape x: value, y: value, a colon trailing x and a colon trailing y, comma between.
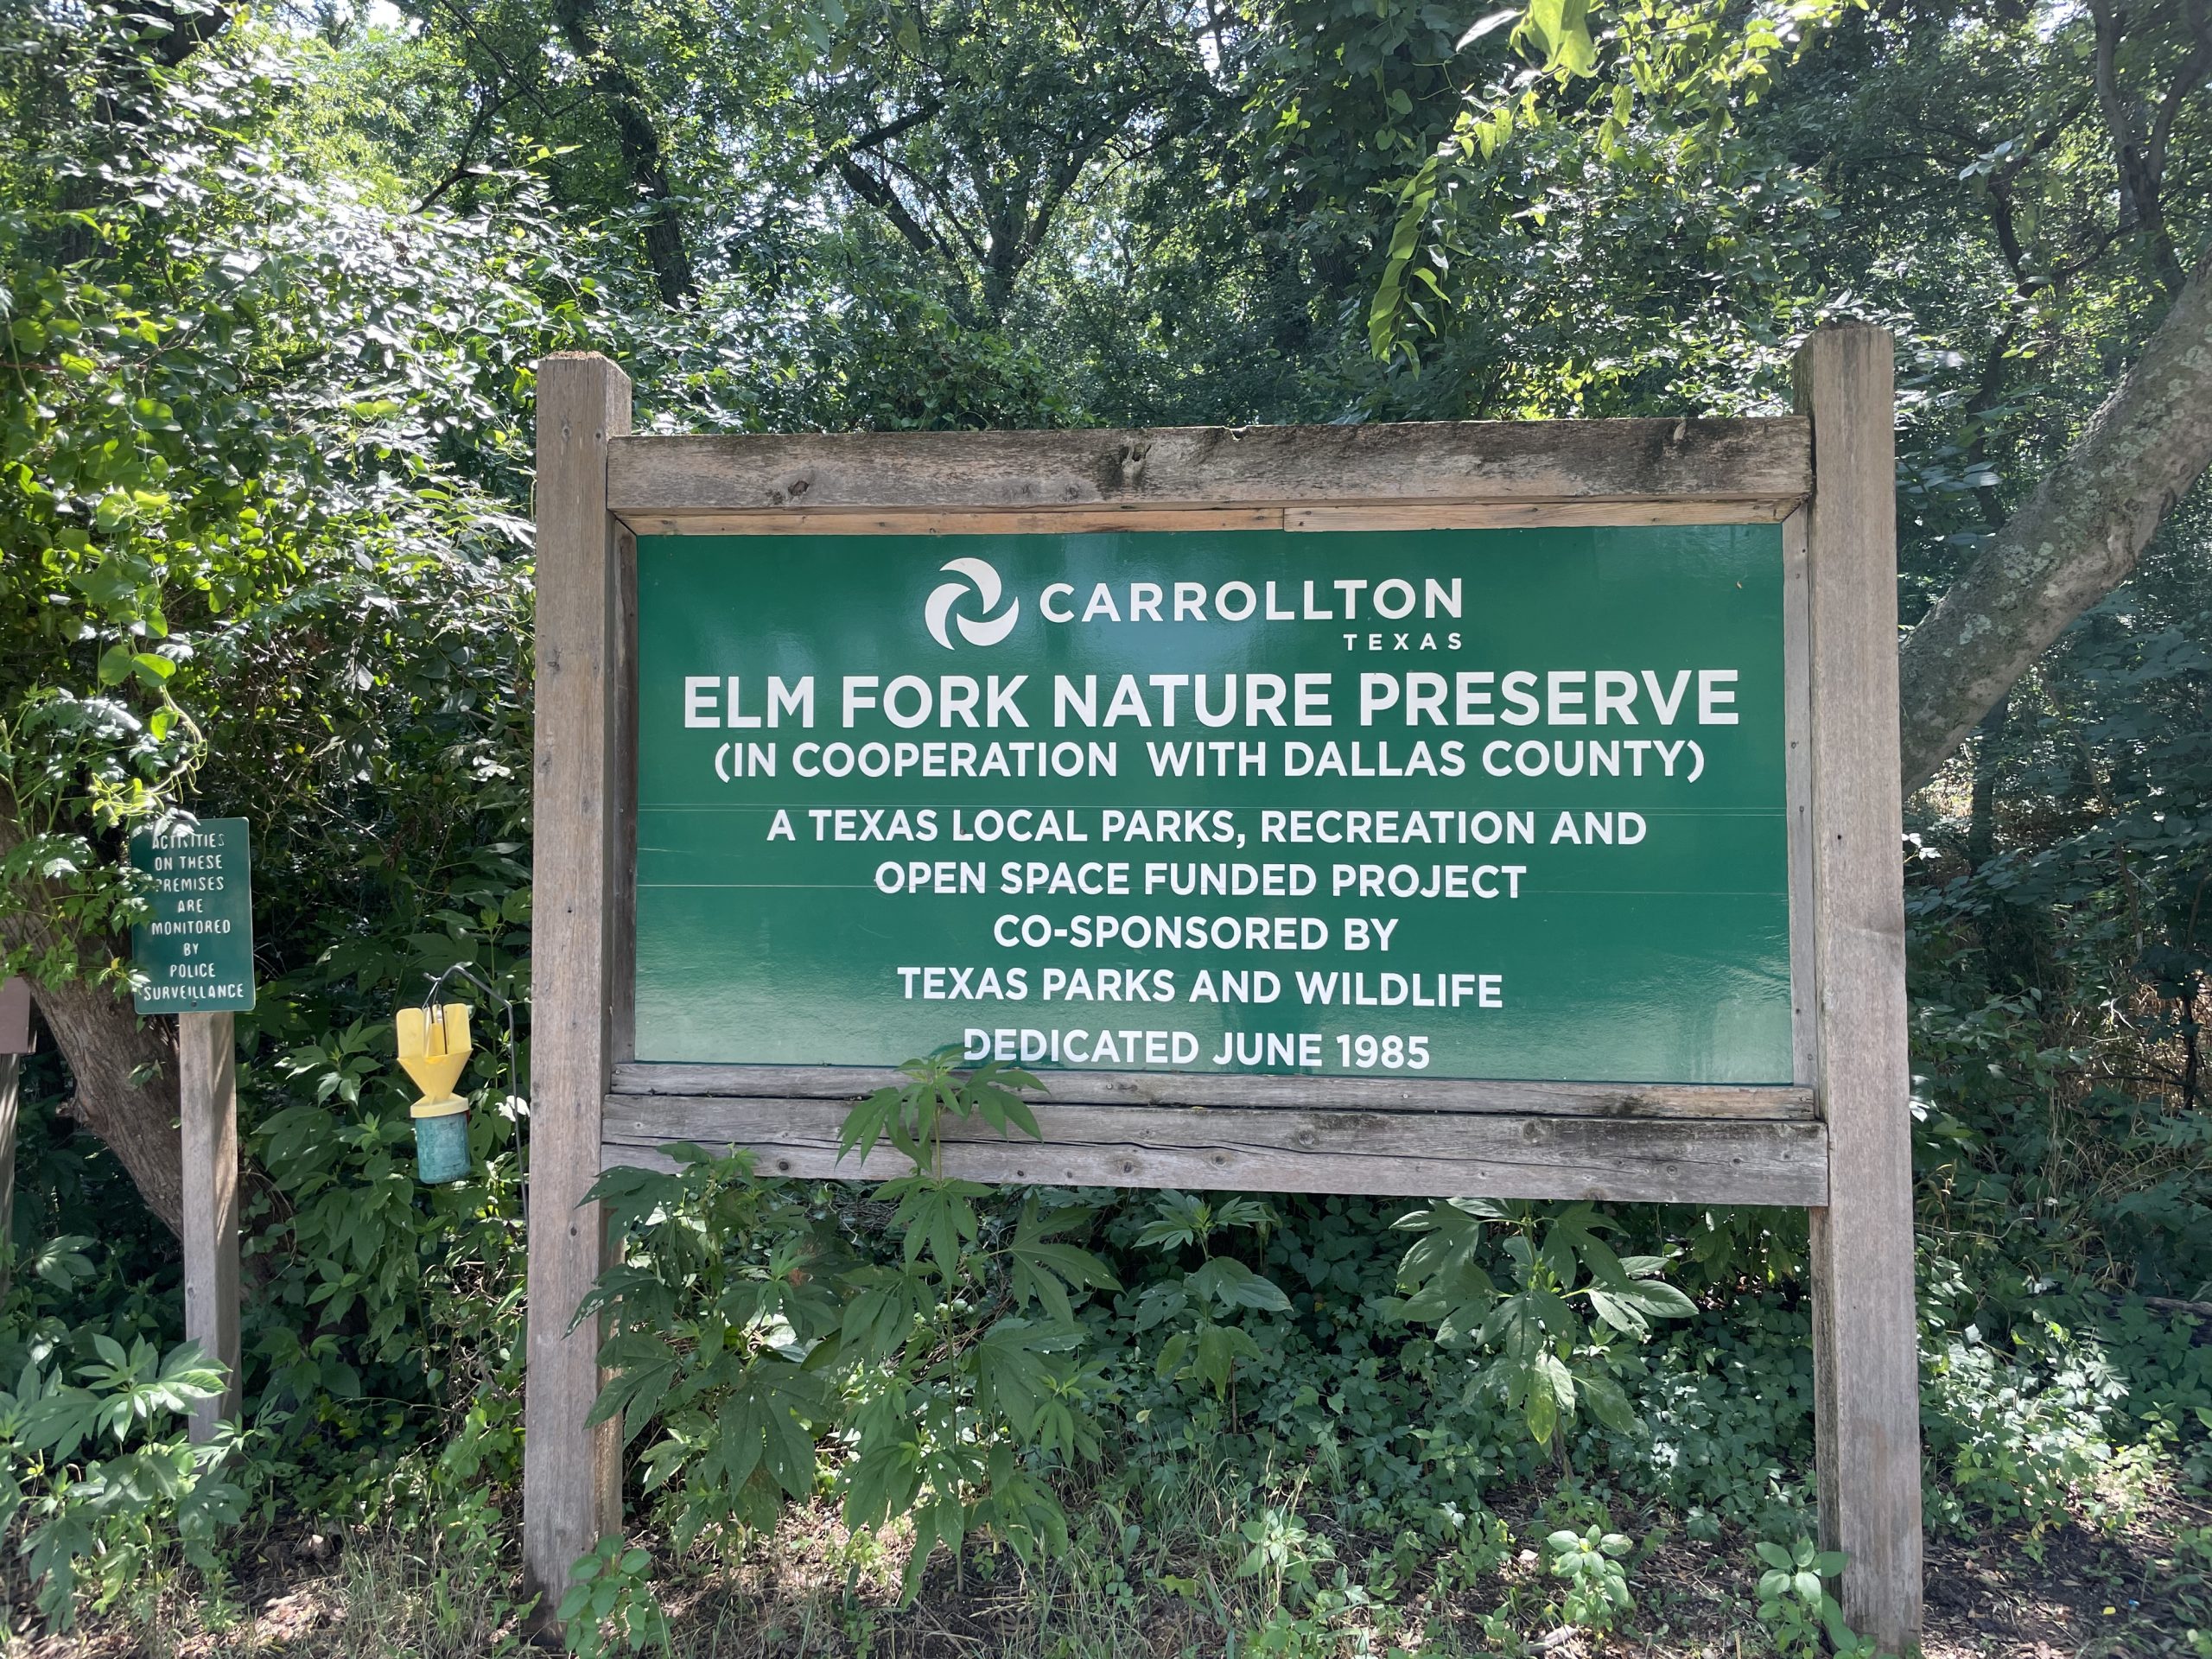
x: 273, y: 284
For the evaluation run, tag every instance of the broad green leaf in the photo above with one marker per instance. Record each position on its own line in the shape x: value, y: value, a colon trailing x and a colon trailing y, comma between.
x: 765, y: 1421
x: 1229, y: 1282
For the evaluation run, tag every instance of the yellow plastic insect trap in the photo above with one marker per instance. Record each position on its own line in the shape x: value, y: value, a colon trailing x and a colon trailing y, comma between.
x: 434, y: 1049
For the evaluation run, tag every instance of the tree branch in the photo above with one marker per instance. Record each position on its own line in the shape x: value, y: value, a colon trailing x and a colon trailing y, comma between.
x: 2187, y: 79
x: 485, y: 111
x: 879, y: 195
x: 525, y: 84
x: 2076, y: 538
x: 641, y: 151
x: 2140, y: 206
x: 883, y: 135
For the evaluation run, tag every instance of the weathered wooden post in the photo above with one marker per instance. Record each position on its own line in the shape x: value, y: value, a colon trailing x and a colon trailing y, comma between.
x: 1866, y: 1375
x: 571, y: 1474
x: 207, y: 1119
x: 15, y: 1042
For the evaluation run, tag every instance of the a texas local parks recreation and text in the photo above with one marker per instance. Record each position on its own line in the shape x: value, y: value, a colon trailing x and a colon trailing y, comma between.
x: 1431, y: 804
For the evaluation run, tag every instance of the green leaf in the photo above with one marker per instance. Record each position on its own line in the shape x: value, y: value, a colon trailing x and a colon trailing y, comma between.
x: 1617, y: 1312
x: 1608, y: 1403
x: 989, y: 1092
x: 877, y: 1318
x: 1540, y: 1414
x: 763, y: 1422
x: 936, y: 1217
x: 1045, y: 1270
x: 644, y: 1369
x: 1216, y: 1348
x: 943, y: 1521
x: 1178, y: 1219
x: 1657, y: 1298
x: 1231, y: 1284
x: 1012, y: 1373
x: 870, y: 1121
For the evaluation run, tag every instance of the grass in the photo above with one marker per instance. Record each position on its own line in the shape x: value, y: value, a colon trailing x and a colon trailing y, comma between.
x: 1158, y: 1568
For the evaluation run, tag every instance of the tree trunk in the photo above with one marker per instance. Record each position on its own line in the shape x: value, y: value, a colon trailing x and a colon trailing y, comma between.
x: 125, y: 1067
x: 125, y: 1072
x: 2069, y: 543
x: 627, y: 107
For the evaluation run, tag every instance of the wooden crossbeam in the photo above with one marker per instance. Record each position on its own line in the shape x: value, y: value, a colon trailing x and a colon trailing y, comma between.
x: 1411, y: 1154
x: 1394, y: 476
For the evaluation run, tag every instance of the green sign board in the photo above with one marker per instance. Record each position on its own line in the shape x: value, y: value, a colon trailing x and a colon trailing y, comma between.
x: 196, y: 950
x: 1501, y: 803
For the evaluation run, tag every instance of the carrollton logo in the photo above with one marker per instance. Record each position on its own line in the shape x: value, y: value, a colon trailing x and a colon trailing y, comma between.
x: 983, y: 581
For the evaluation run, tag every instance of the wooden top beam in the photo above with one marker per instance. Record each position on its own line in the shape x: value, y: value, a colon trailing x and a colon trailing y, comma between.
x: 1742, y: 467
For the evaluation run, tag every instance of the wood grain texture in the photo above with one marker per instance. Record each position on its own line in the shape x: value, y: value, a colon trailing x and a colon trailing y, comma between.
x: 16, y: 1016
x: 622, y: 806
x: 1069, y: 521
x: 1866, y: 1363
x: 571, y: 1471
x: 15, y: 1040
x: 208, y: 1121
x: 1382, y: 1153
x: 1285, y: 1093
x: 1277, y: 466
x: 1088, y: 520
x: 10, y: 1080
x: 1564, y: 513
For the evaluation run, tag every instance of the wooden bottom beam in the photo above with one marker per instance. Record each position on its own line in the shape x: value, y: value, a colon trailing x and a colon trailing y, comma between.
x: 1509, y: 1097
x: 1428, y: 1154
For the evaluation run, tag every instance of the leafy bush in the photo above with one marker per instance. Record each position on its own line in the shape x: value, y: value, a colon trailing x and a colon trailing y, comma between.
x: 1726, y: 1398
x: 1201, y: 1348
x: 1794, y: 1604
x: 101, y: 1476
x: 610, y: 1606
x: 1597, y: 1595
x: 936, y: 1342
x: 1549, y: 1361
x: 961, y: 1351
x: 2024, y: 1439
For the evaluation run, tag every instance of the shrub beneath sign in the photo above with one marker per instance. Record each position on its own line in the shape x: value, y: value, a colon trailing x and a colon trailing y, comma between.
x: 746, y: 1326
x: 1549, y: 1360
x: 955, y: 1351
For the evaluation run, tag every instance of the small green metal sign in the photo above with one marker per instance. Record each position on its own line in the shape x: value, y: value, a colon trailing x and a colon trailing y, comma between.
x: 196, y: 950
x: 1441, y: 804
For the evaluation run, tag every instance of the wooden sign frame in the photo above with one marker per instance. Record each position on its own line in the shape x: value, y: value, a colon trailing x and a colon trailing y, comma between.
x: 1835, y: 1141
